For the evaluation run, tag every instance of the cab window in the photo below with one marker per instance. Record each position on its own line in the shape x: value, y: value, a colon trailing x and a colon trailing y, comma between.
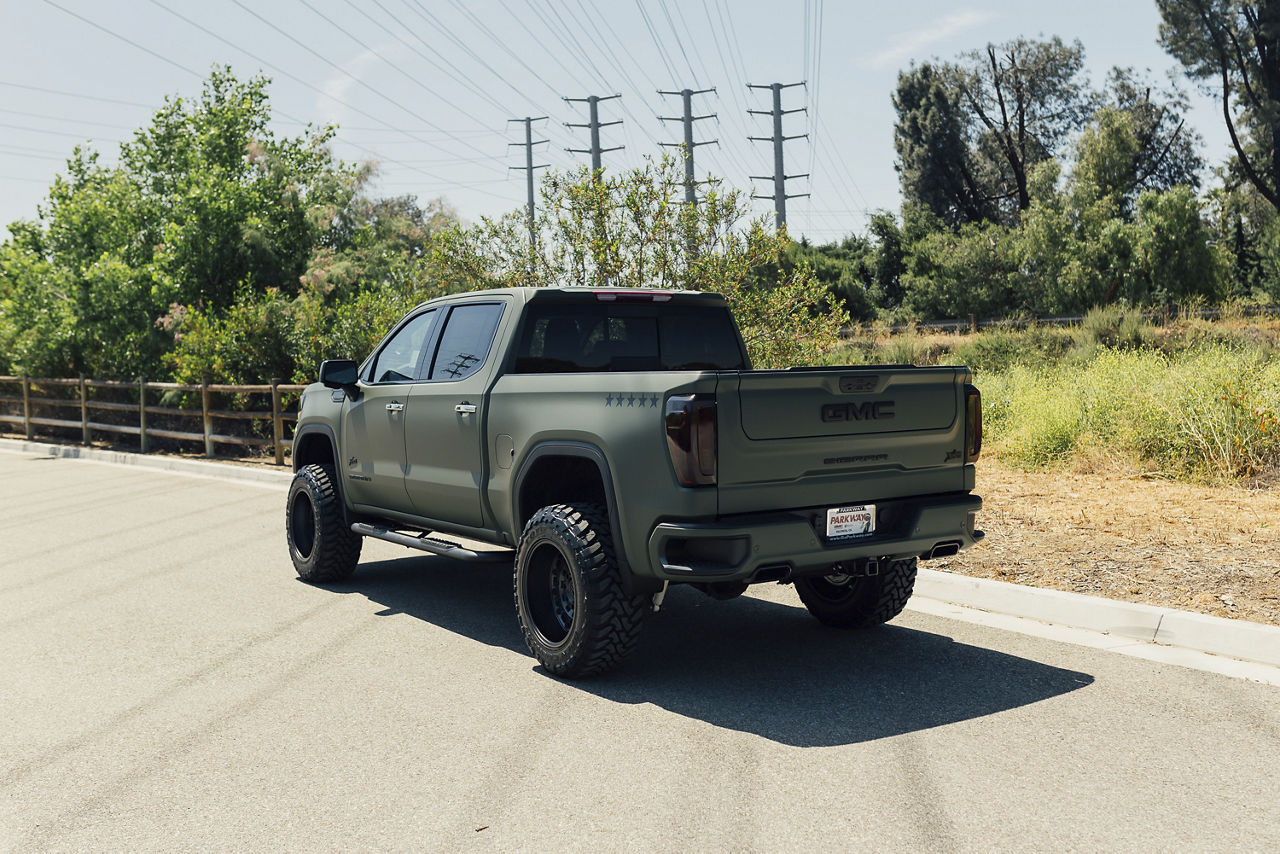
x: 399, y: 358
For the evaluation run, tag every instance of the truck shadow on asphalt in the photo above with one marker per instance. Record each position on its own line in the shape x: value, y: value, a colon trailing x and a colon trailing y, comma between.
x: 750, y: 665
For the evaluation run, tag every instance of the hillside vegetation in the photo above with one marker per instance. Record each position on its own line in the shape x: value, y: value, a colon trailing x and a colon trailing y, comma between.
x: 1190, y: 400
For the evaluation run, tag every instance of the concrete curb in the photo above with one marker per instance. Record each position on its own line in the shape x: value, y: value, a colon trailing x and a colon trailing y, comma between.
x: 1240, y: 639
x: 180, y: 465
x: 1232, y: 638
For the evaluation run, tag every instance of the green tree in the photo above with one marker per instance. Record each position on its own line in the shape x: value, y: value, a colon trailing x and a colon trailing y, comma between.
x: 969, y: 132
x: 1168, y: 150
x: 207, y: 211
x: 1233, y: 47
x: 631, y: 230
x: 932, y: 139
x: 1026, y: 98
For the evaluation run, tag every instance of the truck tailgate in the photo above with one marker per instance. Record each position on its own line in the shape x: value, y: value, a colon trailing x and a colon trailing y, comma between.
x: 835, y: 436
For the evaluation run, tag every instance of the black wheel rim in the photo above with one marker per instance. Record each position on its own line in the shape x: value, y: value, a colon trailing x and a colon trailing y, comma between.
x: 551, y: 593
x: 302, y: 525
x: 836, y: 588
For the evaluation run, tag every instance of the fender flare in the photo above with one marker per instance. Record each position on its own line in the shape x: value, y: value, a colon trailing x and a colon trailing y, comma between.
x: 326, y: 431
x: 582, y: 450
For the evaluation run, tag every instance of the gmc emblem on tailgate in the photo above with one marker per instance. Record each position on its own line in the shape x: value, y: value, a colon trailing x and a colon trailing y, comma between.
x: 869, y: 410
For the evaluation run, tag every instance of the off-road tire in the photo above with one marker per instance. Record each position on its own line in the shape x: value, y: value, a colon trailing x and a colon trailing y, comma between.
x: 322, y: 545
x: 576, y: 615
x: 857, y: 603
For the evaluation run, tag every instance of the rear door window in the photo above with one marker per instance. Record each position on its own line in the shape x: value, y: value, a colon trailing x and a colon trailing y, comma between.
x: 465, y: 342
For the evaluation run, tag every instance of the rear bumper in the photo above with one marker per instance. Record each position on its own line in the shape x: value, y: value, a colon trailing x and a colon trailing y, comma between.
x: 755, y: 547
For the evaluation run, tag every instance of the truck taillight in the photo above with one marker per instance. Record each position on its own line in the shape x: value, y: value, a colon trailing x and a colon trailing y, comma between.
x: 972, y: 423
x: 691, y: 438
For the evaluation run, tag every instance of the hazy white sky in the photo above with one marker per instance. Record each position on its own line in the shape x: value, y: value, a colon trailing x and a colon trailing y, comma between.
x: 425, y: 87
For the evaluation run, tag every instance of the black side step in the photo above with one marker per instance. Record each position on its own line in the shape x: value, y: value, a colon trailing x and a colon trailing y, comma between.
x: 425, y: 543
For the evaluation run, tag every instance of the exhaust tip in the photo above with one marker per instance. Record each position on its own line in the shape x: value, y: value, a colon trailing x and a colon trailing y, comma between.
x: 943, y: 550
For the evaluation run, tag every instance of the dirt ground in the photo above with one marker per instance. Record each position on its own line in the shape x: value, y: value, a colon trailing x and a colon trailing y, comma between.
x: 1215, y: 550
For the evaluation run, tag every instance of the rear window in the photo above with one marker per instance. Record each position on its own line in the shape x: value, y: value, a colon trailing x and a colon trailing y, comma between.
x: 621, y: 337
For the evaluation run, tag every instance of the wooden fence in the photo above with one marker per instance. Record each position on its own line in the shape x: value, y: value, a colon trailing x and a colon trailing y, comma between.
x: 130, y: 418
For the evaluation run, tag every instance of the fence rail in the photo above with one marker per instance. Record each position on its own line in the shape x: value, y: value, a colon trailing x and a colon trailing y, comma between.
x: 39, y: 409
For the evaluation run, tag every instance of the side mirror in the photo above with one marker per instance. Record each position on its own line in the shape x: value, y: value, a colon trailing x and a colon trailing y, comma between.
x: 341, y: 373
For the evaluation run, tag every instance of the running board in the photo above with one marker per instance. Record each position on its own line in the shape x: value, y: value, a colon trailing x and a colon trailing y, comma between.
x: 427, y: 544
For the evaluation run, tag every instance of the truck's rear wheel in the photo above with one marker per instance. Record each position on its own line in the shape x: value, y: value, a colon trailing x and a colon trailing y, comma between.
x: 849, y: 602
x: 577, y: 617
x: 323, y: 547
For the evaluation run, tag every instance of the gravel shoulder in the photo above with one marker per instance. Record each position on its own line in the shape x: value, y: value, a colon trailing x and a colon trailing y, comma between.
x: 1212, y: 550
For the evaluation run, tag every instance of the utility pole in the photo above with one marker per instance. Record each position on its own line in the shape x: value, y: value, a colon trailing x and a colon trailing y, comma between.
x: 528, y: 166
x: 690, y: 182
x: 594, y: 124
x: 779, y: 174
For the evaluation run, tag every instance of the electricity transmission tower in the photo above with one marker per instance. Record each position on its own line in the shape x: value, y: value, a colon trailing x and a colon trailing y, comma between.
x: 779, y: 173
x: 594, y: 124
x: 528, y: 167
x: 690, y: 182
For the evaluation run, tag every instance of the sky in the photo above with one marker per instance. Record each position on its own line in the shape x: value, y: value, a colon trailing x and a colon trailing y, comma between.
x: 425, y: 88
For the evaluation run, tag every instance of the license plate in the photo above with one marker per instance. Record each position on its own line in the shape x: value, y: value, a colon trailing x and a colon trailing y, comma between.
x: 858, y: 520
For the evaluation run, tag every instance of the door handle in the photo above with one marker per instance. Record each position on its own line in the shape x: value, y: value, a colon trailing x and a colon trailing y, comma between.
x: 395, y: 406
x: 465, y: 408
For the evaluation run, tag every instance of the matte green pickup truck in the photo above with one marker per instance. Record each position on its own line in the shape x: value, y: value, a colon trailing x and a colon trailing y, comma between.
x: 615, y: 442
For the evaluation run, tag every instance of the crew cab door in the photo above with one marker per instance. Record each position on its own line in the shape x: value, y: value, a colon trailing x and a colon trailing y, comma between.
x: 373, y: 425
x: 444, y: 436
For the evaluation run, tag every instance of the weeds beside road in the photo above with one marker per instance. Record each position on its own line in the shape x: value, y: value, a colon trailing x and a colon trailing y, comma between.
x: 1210, y: 549
x: 1190, y: 400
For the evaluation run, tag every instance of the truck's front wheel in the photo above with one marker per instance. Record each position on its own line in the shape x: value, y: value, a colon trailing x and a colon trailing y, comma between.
x: 323, y: 547
x: 576, y: 615
x: 856, y: 602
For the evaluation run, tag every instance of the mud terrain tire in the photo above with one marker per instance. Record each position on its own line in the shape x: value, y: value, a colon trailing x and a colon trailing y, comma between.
x: 321, y: 543
x: 847, y: 602
x: 574, y: 611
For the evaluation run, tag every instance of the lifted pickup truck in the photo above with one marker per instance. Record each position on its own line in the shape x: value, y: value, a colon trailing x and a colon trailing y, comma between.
x: 614, y: 443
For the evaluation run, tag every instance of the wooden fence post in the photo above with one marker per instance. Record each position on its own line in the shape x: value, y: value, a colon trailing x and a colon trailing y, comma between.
x: 208, y: 419
x: 142, y: 415
x: 277, y: 422
x: 84, y: 412
x: 26, y: 407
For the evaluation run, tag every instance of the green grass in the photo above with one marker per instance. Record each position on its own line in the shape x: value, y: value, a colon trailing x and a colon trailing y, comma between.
x: 1193, y: 400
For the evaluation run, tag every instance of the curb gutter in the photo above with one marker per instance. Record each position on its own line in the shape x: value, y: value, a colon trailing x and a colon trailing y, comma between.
x: 1218, y: 635
x: 1147, y: 623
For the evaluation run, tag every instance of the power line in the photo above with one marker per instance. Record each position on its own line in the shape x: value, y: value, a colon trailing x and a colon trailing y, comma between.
x: 268, y: 65
x: 53, y: 132
x: 484, y: 28
x: 62, y: 119
x: 101, y: 98
x: 392, y: 101
x: 129, y: 41
x: 680, y: 44
x: 657, y: 42
x: 443, y: 66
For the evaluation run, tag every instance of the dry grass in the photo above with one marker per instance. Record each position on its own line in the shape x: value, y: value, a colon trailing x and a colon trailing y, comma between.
x: 1108, y: 532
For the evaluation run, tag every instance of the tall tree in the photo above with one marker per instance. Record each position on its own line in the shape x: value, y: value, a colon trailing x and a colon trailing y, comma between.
x: 1233, y: 46
x: 969, y: 132
x: 1168, y: 150
x: 1027, y: 97
x: 932, y: 139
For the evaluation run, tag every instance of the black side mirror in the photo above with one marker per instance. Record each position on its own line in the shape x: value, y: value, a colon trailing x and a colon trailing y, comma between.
x: 341, y: 373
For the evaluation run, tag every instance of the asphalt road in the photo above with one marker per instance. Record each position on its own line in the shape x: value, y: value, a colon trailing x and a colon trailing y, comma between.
x: 168, y: 684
